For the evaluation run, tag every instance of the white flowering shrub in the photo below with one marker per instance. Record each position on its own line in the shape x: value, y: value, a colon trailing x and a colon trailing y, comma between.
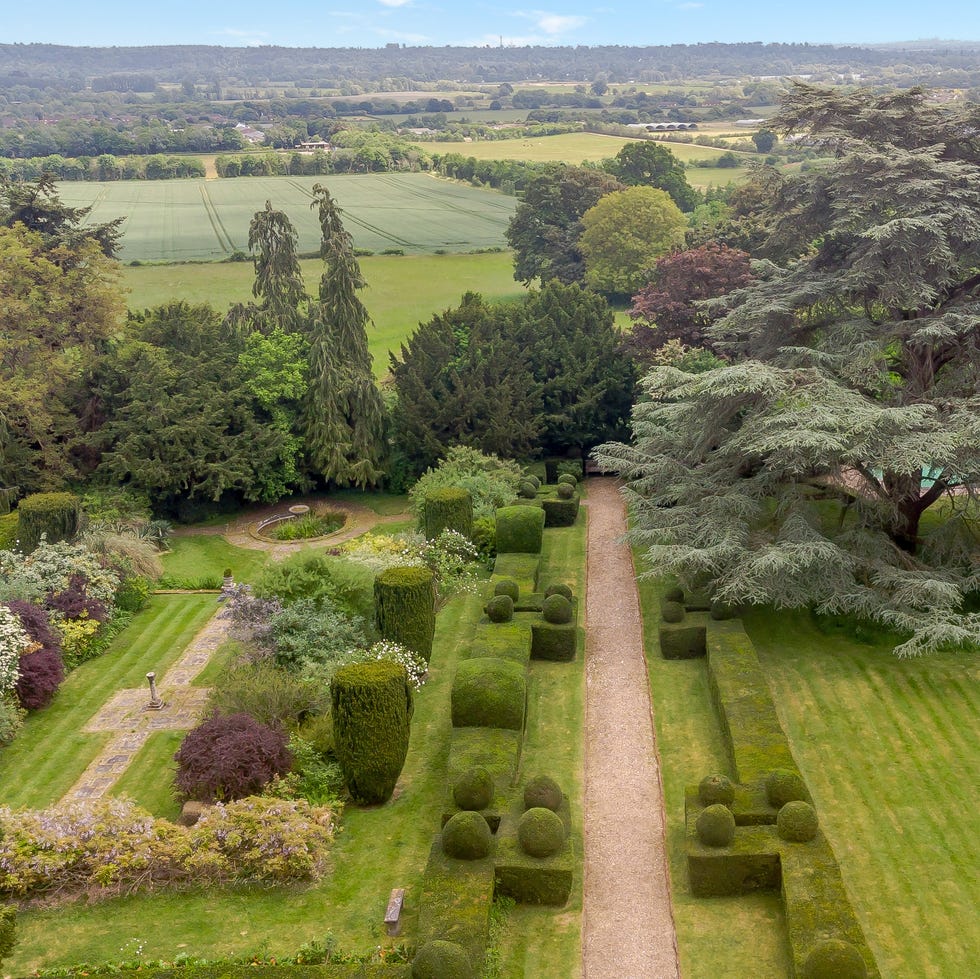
x: 415, y: 666
x: 451, y: 557
x: 14, y: 641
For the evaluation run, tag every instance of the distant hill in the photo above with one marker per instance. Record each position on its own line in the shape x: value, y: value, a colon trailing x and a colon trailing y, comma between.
x: 45, y: 65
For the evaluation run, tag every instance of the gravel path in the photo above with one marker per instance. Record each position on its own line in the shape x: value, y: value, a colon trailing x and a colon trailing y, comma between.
x: 628, y: 929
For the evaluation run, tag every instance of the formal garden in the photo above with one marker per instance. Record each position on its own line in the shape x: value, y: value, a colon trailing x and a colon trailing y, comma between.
x: 303, y: 660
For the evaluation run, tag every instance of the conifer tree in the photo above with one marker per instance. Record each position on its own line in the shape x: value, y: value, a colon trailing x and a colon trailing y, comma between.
x: 343, y: 415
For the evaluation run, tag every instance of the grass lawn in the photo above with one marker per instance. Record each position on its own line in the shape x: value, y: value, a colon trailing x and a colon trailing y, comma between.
x: 402, y: 291
x: 724, y: 936
x: 891, y: 751
x: 149, y: 779
x: 206, y: 556
x: 51, y: 752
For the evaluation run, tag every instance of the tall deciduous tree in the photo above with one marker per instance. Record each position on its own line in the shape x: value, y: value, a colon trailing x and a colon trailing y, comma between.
x: 546, y: 226
x: 623, y: 236
x: 649, y: 164
x: 800, y: 474
x: 343, y: 415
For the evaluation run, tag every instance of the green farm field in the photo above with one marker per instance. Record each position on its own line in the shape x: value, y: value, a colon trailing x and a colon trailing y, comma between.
x: 566, y: 148
x: 193, y: 220
x: 401, y: 292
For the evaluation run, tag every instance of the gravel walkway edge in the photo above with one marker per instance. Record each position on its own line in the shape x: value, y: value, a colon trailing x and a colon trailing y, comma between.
x: 628, y: 925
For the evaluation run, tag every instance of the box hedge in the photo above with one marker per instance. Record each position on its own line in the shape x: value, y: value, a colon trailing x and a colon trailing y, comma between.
x: 754, y: 738
x: 520, y: 530
x: 455, y: 901
x: 54, y: 515
x: 503, y: 640
x: 522, y: 568
x: 371, y: 712
x: 496, y: 749
x: 533, y: 880
x: 682, y: 641
x: 404, y: 607
x: 556, y: 643
x: 448, y: 508
x: 560, y: 513
x: 489, y: 692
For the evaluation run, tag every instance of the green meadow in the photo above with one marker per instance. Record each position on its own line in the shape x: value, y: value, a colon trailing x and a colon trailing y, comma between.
x: 401, y: 291
x: 202, y: 220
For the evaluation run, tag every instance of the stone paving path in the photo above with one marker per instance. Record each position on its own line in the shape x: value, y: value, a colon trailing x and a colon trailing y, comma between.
x: 628, y: 924
x: 125, y: 713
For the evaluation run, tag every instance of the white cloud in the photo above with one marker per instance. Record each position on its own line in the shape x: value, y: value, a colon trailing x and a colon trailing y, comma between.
x: 394, y: 3
x: 550, y: 24
x: 246, y: 38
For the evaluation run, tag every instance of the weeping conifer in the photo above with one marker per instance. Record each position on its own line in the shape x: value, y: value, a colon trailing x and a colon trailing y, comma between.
x: 343, y: 415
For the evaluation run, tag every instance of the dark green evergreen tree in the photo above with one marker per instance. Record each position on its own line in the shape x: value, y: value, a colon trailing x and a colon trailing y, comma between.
x: 343, y: 414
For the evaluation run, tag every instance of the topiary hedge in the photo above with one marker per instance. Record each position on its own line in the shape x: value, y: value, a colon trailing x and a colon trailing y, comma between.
x: 54, y: 515
x: 522, y: 568
x: 785, y: 785
x: 466, y: 836
x: 473, y: 790
x: 682, y: 641
x: 715, y: 825
x: 797, y: 822
x: 489, y: 693
x: 556, y: 643
x: 404, y: 607
x: 507, y: 587
x: 500, y: 609
x: 541, y: 832
x: 714, y: 789
x: 568, y: 479
x: 371, y: 710
x: 557, y: 610
x: 440, y: 959
x: 520, y: 530
x: 543, y: 792
x: 672, y: 612
x: 448, y: 508
x: 559, y: 512
x: 834, y: 958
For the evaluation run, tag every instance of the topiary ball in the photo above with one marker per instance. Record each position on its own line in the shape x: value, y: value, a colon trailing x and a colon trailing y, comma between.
x: 474, y: 789
x: 543, y: 792
x: 716, y: 826
x: 558, y: 589
x: 566, y: 491
x: 531, y: 478
x: 784, y: 786
x: 672, y: 612
x: 541, y: 832
x: 500, y: 608
x: 508, y: 587
x: 674, y: 594
x: 526, y: 490
x: 721, y: 610
x: 797, y: 822
x: 715, y: 789
x: 833, y: 958
x: 557, y: 610
x: 439, y: 959
x: 466, y: 836
x: 567, y: 478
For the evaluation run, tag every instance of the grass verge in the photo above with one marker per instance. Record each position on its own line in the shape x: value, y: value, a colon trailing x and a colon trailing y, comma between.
x: 198, y: 558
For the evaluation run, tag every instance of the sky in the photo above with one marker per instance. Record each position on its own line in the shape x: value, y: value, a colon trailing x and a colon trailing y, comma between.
x: 374, y: 23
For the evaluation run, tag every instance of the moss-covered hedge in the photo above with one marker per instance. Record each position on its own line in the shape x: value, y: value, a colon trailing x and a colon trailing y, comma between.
x: 554, y: 642
x: 503, y: 640
x: 372, y: 710
x: 522, y: 568
x: 500, y: 609
x: 532, y: 880
x: 520, y: 530
x: 754, y: 737
x: 466, y: 836
x: 455, y: 901
x: 448, y: 508
x: 507, y: 587
x: 442, y: 960
x: 473, y: 790
x: 237, y: 970
x: 496, y: 749
x: 404, y: 607
x: 684, y: 641
x: 489, y: 692
x: 559, y: 512
x: 55, y: 515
